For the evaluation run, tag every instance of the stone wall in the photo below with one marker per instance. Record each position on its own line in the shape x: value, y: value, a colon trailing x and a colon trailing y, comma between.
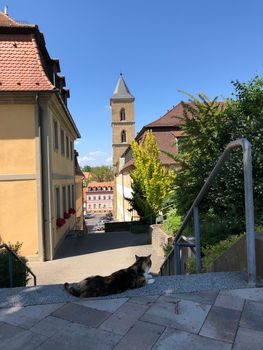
x: 159, y: 239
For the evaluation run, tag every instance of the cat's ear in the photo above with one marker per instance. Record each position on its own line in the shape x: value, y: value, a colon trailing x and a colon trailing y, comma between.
x: 136, y: 257
x: 149, y: 256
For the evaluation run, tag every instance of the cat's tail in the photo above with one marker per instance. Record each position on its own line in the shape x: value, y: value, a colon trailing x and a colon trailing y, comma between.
x: 71, y: 290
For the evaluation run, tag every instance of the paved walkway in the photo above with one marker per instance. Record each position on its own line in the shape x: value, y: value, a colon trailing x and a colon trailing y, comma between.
x: 101, y: 253
x: 211, y: 319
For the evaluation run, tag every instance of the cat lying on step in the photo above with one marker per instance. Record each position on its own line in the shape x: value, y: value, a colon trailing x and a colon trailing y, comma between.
x: 135, y: 276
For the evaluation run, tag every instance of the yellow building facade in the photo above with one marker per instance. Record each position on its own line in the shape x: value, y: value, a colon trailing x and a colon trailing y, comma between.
x: 37, y: 133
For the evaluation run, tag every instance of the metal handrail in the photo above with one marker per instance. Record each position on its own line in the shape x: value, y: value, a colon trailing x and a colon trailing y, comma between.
x: 249, y: 208
x: 11, y: 254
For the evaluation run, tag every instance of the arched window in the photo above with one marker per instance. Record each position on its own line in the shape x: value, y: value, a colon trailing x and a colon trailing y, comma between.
x: 123, y: 136
x: 122, y: 114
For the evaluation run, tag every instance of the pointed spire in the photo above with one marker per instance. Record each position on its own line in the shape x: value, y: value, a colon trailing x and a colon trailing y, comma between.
x: 121, y: 91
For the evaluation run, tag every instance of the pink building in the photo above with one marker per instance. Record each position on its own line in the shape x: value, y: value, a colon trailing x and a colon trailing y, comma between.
x: 98, y: 197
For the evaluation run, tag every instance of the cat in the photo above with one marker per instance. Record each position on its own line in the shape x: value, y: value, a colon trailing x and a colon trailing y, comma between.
x: 135, y: 276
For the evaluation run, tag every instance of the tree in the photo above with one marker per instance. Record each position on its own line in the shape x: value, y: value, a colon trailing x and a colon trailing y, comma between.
x: 101, y: 173
x: 86, y: 168
x: 210, y: 126
x: 151, y: 181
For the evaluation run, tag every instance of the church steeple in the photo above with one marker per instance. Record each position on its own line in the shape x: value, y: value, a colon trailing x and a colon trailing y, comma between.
x: 121, y: 91
x: 122, y: 107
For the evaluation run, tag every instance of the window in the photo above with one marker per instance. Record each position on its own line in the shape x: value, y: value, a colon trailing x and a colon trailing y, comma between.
x: 89, y: 198
x: 64, y: 198
x: 94, y: 206
x: 55, y: 135
x: 94, y: 198
x: 104, y: 188
x: 109, y: 197
x: 69, y: 197
x: 57, y: 203
x: 62, y: 140
x: 122, y: 114
x: 99, y: 198
x: 104, y: 205
x: 109, y: 188
x: 67, y: 146
x: 104, y: 197
x: 71, y: 150
x: 123, y: 136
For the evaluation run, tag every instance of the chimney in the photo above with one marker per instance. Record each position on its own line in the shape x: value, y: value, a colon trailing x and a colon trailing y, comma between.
x: 6, y: 10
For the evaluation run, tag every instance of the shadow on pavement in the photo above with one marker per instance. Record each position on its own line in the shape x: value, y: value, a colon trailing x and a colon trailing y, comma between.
x: 74, y: 245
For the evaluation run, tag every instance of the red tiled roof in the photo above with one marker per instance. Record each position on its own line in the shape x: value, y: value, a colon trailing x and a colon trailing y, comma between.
x: 6, y: 21
x: 99, y: 184
x: 171, y: 118
x: 20, y: 65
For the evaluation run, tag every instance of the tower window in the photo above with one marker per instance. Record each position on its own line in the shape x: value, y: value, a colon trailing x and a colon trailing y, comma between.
x: 123, y: 136
x: 122, y: 114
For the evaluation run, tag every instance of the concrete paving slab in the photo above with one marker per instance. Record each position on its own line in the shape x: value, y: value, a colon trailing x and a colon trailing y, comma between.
x: 181, y: 314
x: 176, y: 339
x: 110, y: 305
x: 206, y: 297
x: 77, y: 336
x: 14, y: 338
x: 81, y: 314
x: 248, y: 339
x: 26, y: 317
x: 122, y: 320
x: 221, y: 324
x: 230, y: 301
x: 252, y: 316
x: 142, y: 336
x: 255, y: 294
x: 144, y: 300
x: 49, y: 326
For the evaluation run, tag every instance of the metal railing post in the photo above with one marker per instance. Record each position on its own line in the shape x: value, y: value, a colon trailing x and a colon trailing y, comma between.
x: 249, y: 208
x: 177, y: 259
x: 197, y: 240
x: 10, y: 269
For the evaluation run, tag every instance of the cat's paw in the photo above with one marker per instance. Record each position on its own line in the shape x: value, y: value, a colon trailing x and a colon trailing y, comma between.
x: 149, y: 276
x: 151, y: 281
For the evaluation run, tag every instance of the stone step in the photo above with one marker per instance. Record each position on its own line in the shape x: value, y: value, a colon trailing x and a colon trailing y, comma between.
x: 50, y: 294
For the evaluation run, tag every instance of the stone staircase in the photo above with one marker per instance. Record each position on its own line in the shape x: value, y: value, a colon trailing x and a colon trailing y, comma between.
x: 164, y: 285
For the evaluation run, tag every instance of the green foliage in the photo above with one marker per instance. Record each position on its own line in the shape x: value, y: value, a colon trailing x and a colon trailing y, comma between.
x: 172, y: 222
x: 210, y: 126
x: 167, y: 248
x: 20, y: 274
x: 211, y: 253
x: 151, y: 181
x: 101, y: 173
x: 86, y: 169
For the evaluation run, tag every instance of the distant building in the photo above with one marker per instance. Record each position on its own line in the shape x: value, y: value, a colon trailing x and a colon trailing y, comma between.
x: 37, y: 169
x: 98, y: 197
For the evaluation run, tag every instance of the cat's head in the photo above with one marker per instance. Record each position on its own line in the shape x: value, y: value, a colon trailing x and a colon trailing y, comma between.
x: 143, y: 263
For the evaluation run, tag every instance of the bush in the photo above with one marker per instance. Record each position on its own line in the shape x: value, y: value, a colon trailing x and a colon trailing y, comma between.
x: 211, y: 253
x: 172, y: 222
x: 20, y: 274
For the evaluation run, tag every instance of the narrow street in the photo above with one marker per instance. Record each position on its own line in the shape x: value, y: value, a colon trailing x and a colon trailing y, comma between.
x: 94, y: 253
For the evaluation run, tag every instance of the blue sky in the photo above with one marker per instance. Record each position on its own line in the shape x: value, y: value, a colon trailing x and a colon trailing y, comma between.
x: 160, y: 46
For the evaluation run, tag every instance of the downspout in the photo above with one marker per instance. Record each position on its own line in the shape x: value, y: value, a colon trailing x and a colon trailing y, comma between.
x: 41, y: 189
x: 123, y: 201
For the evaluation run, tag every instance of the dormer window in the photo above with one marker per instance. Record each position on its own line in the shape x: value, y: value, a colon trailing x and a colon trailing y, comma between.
x: 122, y: 114
x: 123, y: 136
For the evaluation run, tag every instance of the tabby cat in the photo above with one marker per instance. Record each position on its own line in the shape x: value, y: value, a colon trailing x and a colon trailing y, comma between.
x: 135, y: 276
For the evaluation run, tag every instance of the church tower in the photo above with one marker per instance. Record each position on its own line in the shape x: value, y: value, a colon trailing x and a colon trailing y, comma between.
x: 123, y: 131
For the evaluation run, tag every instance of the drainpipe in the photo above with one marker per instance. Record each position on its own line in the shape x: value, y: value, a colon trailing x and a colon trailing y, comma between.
x: 41, y: 189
